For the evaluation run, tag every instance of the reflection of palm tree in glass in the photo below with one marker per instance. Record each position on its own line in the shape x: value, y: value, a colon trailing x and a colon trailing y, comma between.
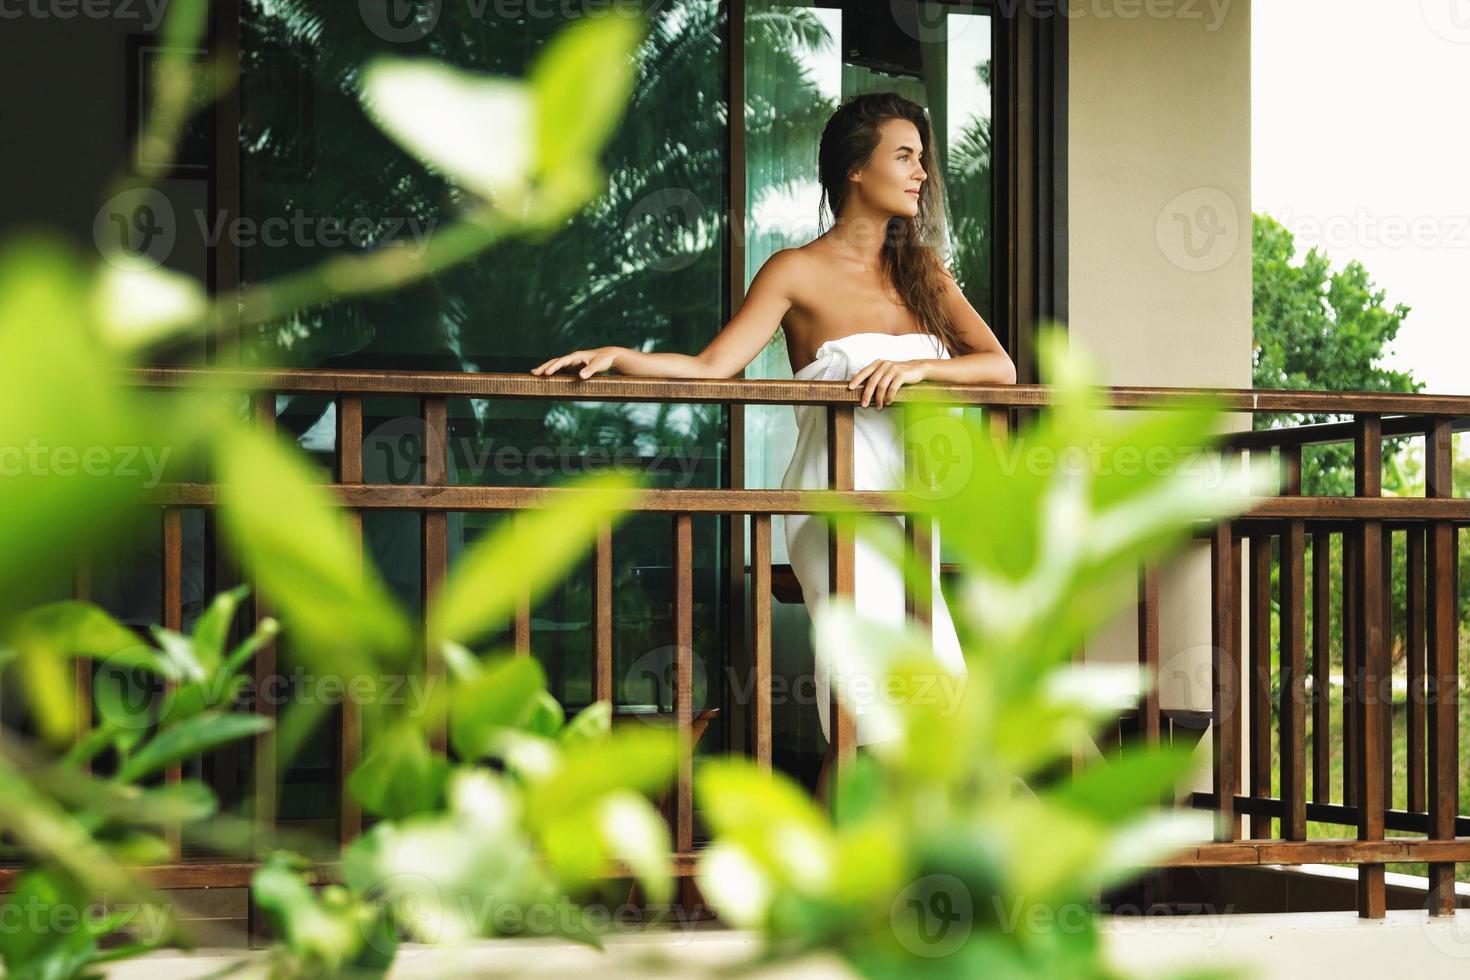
x: 620, y: 271
x: 968, y: 175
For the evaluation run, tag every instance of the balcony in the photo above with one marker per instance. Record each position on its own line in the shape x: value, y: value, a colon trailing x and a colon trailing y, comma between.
x: 1256, y: 689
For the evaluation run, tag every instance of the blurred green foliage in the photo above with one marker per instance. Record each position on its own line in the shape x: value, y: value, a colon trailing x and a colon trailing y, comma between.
x: 956, y: 848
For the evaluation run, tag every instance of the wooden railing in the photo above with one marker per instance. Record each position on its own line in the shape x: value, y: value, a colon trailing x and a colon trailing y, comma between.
x: 1364, y: 521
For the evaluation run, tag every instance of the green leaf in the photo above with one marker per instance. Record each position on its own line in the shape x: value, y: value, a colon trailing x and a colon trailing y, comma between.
x: 265, y: 631
x: 178, y: 650
x: 1144, y: 841
x: 547, y: 715
x: 859, y: 789
x: 739, y: 886
x: 189, y: 738
x: 1117, y: 788
x: 478, y: 130
x: 313, y: 928
x: 295, y: 542
x: 400, y: 775
x: 77, y: 628
x: 637, y: 834
x: 581, y: 86
x: 527, y: 554
x: 37, y: 890
x: 441, y: 872
x: 46, y: 637
x: 572, y: 848
x: 592, y: 724
x: 772, y: 818
x: 138, y: 304
x: 502, y: 695
x: 636, y: 758
x: 213, y: 627
x: 186, y: 801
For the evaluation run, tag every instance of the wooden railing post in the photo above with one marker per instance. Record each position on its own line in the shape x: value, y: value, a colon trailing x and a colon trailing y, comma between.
x: 435, y: 528
x: 1292, y: 732
x: 684, y: 679
x: 1225, y: 675
x: 760, y: 634
x: 602, y: 618
x: 265, y: 669
x: 349, y: 471
x: 1443, y: 668
x: 1260, y: 678
x: 1373, y: 665
x: 841, y: 580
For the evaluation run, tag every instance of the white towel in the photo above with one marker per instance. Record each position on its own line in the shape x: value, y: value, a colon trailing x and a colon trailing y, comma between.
x: 877, y: 465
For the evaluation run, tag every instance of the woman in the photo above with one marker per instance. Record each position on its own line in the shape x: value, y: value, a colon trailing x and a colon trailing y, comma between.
x: 869, y: 302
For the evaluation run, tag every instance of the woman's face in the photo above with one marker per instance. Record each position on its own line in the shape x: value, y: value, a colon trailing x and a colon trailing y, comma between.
x: 891, y: 179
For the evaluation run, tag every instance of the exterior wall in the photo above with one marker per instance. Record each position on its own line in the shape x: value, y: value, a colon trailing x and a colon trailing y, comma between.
x: 1160, y: 248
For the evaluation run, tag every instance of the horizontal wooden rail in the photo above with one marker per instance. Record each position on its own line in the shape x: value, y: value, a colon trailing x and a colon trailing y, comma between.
x: 714, y: 501
x: 614, y: 388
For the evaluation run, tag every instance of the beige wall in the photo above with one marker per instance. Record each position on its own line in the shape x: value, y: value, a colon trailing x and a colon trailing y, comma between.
x: 1159, y: 243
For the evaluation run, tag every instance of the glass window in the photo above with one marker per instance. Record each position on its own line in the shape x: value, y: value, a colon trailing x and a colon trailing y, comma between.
x: 643, y: 266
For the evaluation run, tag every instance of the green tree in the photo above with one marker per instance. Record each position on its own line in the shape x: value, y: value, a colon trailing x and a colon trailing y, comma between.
x: 1319, y: 329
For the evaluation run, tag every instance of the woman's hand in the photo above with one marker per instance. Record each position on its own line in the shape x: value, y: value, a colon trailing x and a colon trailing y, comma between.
x: 882, y: 379
x: 592, y: 361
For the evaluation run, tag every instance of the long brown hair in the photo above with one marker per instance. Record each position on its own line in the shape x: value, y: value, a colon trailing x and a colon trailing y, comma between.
x: 912, y: 247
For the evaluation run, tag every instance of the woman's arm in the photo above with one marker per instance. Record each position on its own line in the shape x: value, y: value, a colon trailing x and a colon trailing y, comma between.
x: 735, y: 346
x: 986, y: 361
